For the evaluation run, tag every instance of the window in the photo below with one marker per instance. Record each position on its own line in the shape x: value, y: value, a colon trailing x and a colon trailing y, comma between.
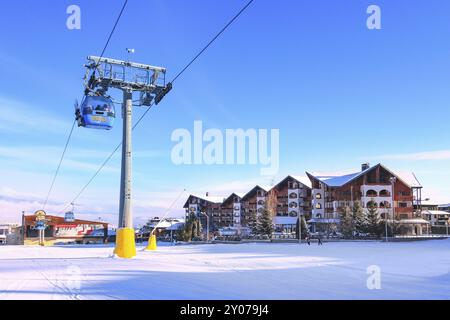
x: 371, y: 193
x: 261, y: 202
x: 318, y: 196
x: 385, y: 204
x: 293, y: 205
x: 403, y: 205
x: 293, y: 195
x: 318, y: 206
x: 372, y: 204
x: 384, y: 193
x: 293, y: 214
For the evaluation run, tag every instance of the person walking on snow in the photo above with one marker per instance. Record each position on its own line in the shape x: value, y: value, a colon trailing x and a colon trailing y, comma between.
x: 319, y: 242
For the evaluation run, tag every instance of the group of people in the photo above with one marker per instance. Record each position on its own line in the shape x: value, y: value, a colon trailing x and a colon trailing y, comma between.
x: 319, y: 241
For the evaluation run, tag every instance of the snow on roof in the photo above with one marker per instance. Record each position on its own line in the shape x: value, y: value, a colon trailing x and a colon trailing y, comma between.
x: 215, y: 199
x: 303, y: 179
x: 409, y: 178
x: 265, y: 187
x: 414, y: 221
x: 240, y: 195
x: 314, y: 220
x: 340, y: 179
x: 161, y: 224
x: 435, y: 212
x: 336, y: 180
x: 444, y: 205
x: 425, y: 202
x: 175, y: 226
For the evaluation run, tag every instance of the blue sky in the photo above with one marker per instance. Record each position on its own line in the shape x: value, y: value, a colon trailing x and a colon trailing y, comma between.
x: 339, y: 93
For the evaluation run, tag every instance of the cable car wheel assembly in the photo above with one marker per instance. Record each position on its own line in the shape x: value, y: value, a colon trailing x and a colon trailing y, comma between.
x: 97, y: 109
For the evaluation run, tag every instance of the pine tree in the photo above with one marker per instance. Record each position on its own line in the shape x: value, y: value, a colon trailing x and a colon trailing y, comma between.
x: 359, y: 218
x: 199, y: 228
x: 194, y: 231
x: 346, y: 224
x: 265, y: 225
x: 253, y: 223
x: 304, y: 226
x: 373, y: 219
x: 264, y: 221
x: 192, y: 228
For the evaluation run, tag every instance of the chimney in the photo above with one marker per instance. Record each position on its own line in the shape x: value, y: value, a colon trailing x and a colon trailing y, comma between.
x: 365, y: 166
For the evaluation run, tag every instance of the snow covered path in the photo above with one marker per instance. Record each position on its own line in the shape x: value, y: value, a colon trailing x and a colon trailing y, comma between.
x: 412, y: 270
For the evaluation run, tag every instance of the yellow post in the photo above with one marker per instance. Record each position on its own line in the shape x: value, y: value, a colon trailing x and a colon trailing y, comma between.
x: 125, y: 243
x: 151, y: 243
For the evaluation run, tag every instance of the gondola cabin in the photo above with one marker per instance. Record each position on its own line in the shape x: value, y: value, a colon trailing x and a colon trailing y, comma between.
x: 96, y: 112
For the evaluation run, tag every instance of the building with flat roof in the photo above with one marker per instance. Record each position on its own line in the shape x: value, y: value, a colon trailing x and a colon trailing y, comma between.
x: 60, y: 230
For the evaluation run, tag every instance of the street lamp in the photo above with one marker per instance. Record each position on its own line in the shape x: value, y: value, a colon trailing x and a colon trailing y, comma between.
x: 300, y: 229
x: 393, y: 181
x: 207, y: 225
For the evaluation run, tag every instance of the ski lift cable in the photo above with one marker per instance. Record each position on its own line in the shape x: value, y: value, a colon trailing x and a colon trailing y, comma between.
x: 59, y: 165
x: 153, y: 102
x: 104, y: 163
x: 212, y: 40
x: 112, y: 32
x: 169, y: 210
x: 108, y: 41
x: 73, y: 126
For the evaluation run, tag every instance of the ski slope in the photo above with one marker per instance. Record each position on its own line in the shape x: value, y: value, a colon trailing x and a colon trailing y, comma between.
x: 409, y: 270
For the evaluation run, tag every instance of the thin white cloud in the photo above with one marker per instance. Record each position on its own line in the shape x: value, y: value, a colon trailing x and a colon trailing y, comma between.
x: 26, y: 119
x: 47, y: 156
x: 98, y: 203
x: 20, y: 117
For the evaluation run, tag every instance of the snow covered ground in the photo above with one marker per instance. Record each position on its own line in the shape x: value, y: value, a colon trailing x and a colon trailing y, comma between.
x: 409, y: 270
